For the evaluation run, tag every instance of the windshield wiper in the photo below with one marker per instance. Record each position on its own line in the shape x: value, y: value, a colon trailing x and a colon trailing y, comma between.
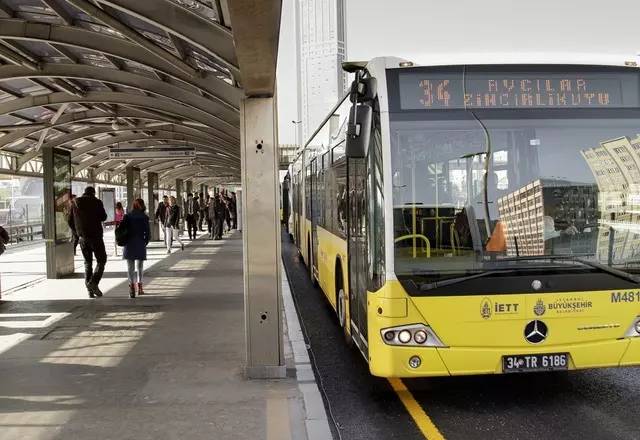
x: 577, y: 258
x: 450, y: 281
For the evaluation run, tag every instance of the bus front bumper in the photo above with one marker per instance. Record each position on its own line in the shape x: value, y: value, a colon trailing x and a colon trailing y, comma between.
x: 394, y: 361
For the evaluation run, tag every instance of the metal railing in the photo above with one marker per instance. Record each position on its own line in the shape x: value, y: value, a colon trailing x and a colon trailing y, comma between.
x: 24, y: 226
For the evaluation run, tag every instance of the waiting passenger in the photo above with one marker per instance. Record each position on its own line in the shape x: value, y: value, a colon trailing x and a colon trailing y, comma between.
x: 87, y: 215
x: 135, y: 249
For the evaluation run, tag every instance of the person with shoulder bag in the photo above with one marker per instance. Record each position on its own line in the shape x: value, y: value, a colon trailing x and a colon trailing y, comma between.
x: 135, y: 247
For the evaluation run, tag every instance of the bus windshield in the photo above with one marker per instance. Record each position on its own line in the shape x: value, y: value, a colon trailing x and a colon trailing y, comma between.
x: 495, y: 168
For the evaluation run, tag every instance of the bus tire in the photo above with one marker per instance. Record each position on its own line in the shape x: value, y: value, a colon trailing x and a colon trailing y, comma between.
x: 314, y: 282
x: 341, y: 304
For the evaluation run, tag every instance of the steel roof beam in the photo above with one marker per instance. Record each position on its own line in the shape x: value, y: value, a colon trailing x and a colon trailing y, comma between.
x: 228, y: 120
x: 104, y: 157
x: 154, y: 50
x: 197, y: 30
x: 59, y: 10
x: 130, y: 99
x: 85, y: 117
x: 116, y: 47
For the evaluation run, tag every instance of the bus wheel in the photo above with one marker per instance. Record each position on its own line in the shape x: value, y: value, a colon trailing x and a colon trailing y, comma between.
x: 310, y: 265
x: 341, y: 307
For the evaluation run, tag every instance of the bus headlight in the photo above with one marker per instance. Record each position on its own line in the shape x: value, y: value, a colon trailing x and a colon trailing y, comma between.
x: 420, y: 336
x: 634, y: 329
x: 404, y: 336
x: 416, y: 335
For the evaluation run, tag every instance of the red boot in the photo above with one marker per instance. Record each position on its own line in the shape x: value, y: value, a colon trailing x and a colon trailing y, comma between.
x: 132, y: 290
x: 140, y: 291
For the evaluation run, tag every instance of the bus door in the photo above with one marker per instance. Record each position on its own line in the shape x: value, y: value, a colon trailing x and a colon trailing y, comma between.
x: 315, y: 212
x: 357, y: 250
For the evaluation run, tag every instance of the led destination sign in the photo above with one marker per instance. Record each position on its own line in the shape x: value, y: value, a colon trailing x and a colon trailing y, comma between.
x: 511, y: 91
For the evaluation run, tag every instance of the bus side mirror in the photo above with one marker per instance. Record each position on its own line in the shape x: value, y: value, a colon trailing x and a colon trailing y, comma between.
x: 358, y: 130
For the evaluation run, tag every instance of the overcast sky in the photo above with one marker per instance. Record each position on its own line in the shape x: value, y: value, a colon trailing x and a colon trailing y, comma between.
x: 415, y: 28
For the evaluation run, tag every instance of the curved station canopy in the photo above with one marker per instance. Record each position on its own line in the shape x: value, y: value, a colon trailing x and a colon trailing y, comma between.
x: 90, y: 75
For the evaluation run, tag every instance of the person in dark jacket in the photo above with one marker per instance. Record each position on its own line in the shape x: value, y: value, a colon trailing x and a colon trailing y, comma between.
x: 135, y: 250
x: 233, y: 211
x: 172, y: 224
x: 74, y: 236
x: 160, y: 215
x: 219, y: 210
x: 87, y: 215
x: 191, y: 210
x: 203, y: 211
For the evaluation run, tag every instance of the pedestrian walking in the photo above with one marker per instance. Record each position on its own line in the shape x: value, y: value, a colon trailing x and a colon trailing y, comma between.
x: 233, y: 211
x: 172, y: 225
x: 136, y: 223
x: 203, y: 212
x: 227, y: 213
x: 160, y: 215
x: 87, y: 215
x: 191, y: 213
x: 218, y: 218
x: 210, y: 216
x: 74, y: 237
x: 117, y: 219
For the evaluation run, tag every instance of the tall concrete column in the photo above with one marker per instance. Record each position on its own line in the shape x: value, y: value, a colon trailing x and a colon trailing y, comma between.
x: 202, y: 189
x: 189, y: 185
x: 261, y: 238
x: 179, y: 191
x: 134, y: 186
x: 57, y: 177
x: 152, y: 204
x: 180, y: 200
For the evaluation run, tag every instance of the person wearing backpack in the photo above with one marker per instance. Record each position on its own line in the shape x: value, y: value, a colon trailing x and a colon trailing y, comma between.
x: 136, y: 223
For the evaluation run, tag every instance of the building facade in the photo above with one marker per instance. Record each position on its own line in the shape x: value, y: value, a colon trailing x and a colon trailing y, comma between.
x: 615, y: 165
x: 320, y: 28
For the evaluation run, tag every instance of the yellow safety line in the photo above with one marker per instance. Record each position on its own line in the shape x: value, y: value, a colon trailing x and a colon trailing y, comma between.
x: 421, y: 418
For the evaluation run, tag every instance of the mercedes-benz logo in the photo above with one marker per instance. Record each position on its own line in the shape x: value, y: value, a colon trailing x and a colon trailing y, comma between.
x: 536, y: 331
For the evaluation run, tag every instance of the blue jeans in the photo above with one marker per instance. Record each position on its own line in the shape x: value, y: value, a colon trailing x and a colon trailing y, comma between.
x: 131, y: 270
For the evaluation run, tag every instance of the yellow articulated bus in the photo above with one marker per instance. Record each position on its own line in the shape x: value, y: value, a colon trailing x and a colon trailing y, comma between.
x: 479, y: 218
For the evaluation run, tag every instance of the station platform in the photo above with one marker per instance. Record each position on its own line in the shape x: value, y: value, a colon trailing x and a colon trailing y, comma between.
x: 166, y: 365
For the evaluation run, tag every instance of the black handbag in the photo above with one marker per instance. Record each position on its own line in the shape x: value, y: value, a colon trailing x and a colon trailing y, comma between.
x: 122, y: 233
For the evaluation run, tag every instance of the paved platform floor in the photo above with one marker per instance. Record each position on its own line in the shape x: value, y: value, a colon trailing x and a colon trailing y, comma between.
x: 167, y: 365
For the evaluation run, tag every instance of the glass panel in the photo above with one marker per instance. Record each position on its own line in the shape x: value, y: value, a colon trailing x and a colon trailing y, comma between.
x: 62, y: 194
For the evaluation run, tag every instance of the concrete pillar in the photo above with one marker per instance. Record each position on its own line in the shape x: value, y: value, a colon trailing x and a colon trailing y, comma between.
x: 134, y: 185
x: 179, y: 191
x: 202, y: 190
x: 57, y: 177
x: 152, y: 204
x: 189, y: 185
x: 261, y: 238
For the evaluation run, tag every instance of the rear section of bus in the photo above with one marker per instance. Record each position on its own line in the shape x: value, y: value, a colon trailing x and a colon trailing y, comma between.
x: 516, y: 220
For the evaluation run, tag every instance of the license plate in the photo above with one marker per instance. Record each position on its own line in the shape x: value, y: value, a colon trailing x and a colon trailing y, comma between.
x: 521, y: 363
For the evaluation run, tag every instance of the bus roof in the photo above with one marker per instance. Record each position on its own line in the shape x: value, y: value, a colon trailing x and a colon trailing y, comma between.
x: 505, y: 58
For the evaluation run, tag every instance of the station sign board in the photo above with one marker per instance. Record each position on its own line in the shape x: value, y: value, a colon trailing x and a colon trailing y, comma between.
x: 152, y: 153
